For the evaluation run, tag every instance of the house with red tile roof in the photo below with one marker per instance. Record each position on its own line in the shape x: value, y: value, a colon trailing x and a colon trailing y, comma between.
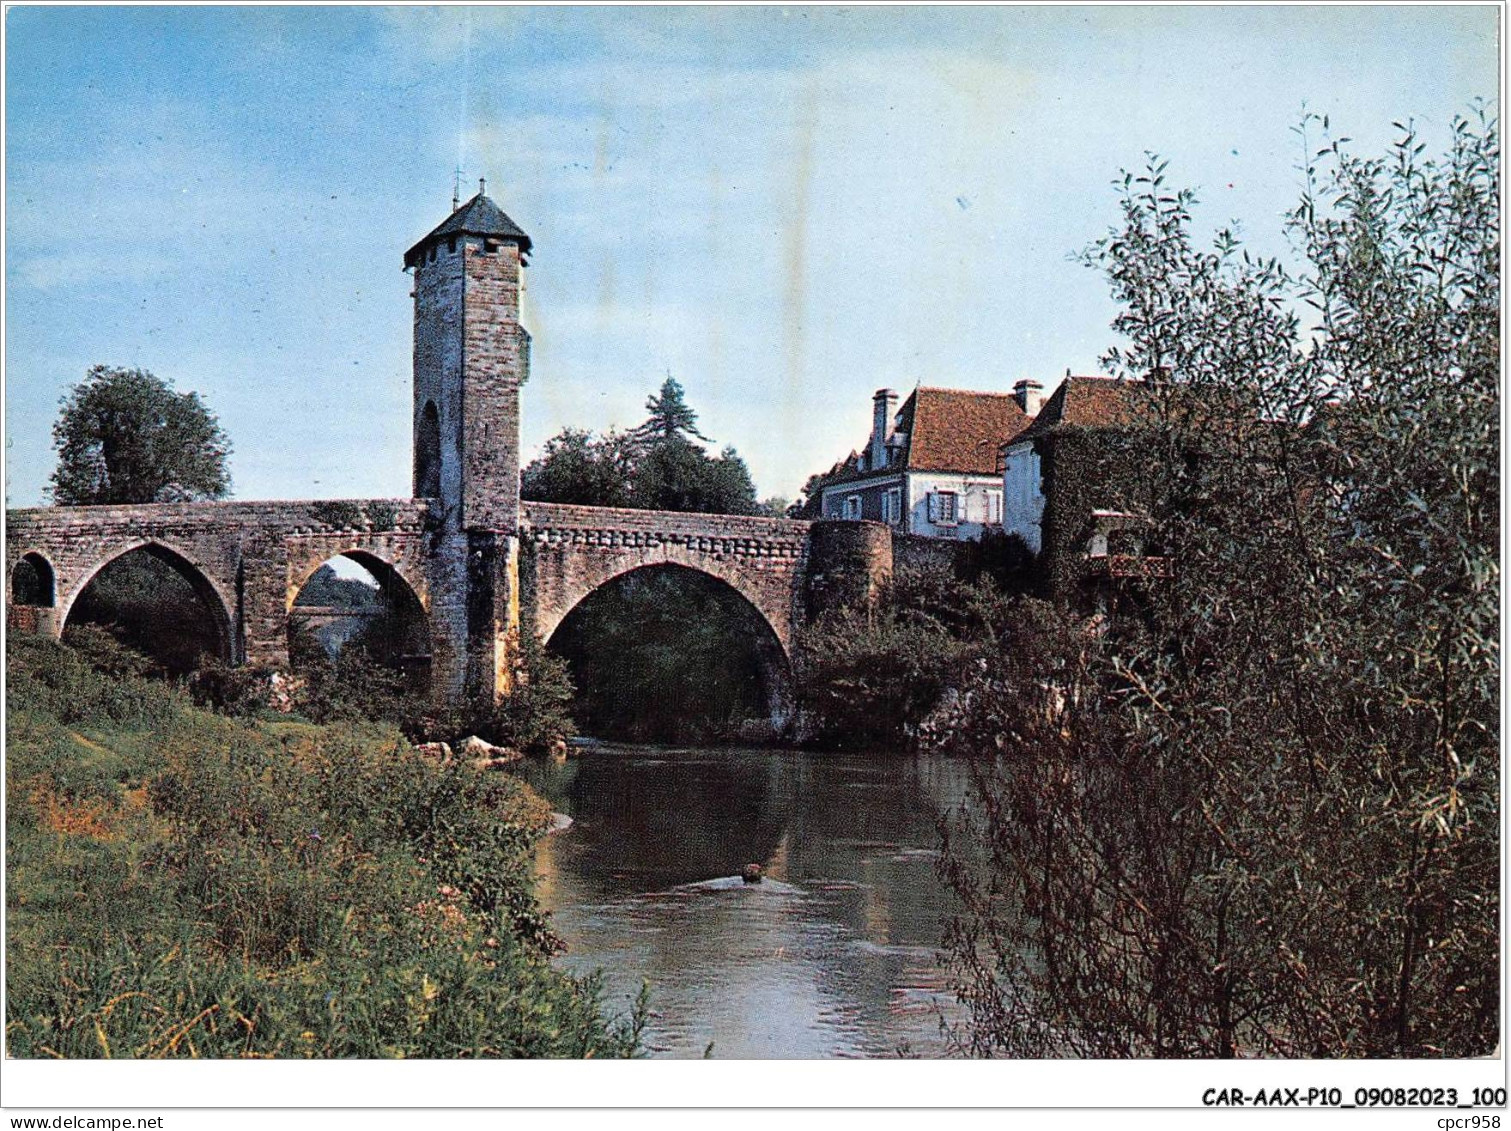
x: 930, y: 467
x: 1028, y: 473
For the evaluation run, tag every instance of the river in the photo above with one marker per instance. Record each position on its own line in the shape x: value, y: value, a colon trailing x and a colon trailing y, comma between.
x: 833, y: 954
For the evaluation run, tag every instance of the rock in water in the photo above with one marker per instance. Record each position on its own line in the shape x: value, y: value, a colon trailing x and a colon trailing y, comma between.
x: 486, y: 756
x: 751, y: 874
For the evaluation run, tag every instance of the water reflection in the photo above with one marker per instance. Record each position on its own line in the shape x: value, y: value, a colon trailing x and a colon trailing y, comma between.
x: 833, y: 955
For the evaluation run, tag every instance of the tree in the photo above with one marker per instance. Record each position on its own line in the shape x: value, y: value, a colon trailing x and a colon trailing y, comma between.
x: 580, y: 468
x: 125, y: 436
x: 655, y: 466
x: 676, y: 475
x: 810, y: 500
x: 775, y: 506
x: 1261, y: 817
x: 670, y: 417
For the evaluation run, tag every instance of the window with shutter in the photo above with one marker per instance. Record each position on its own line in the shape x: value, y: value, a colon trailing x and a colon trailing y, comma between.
x: 945, y: 508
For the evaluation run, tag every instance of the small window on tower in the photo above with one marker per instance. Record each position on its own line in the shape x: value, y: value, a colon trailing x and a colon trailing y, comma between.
x: 490, y: 246
x: 427, y: 454
x: 451, y: 245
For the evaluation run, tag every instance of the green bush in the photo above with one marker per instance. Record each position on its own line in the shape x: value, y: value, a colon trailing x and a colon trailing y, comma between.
x: 337, y: 512
x: 243, y: 692
x: 537, y: 712
x: 354, y: 688
x: 870, y: 676
x: 381, y: 515
x: 186, y: 884
x: 534, y: 716
x: 92, y: 679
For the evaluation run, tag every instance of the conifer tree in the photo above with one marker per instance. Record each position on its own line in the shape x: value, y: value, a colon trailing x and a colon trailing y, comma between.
x: 670, y: 417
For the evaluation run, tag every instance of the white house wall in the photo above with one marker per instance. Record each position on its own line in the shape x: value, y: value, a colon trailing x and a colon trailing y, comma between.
x: 973, y: 493
x: 1022, y: 495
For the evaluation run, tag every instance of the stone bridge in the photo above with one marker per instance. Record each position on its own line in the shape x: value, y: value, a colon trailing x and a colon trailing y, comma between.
x: 468, y: 564
x: 571, y: 551
x: 247, y: 561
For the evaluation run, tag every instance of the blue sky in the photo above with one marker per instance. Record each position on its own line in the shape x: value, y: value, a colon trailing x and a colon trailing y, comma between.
x: 785, y: 208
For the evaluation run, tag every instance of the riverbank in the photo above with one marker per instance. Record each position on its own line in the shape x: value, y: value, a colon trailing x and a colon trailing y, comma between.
x: 184, y: 884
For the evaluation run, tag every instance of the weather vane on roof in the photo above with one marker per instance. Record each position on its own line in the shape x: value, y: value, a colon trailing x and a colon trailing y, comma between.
x: 482, y: 186
x: 456, y: 189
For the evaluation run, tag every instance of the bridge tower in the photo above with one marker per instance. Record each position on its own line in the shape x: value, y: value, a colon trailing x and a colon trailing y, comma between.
x: 471, y: 355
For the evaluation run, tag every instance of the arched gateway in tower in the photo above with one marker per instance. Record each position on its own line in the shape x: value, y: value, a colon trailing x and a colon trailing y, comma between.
x: 481, y: 568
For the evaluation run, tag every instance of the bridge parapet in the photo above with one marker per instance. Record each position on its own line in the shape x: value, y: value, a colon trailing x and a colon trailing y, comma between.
x: 301, y: 516
x: 559, y: 522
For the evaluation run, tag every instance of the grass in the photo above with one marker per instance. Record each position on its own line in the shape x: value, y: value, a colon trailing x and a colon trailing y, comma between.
x: 182, y: 883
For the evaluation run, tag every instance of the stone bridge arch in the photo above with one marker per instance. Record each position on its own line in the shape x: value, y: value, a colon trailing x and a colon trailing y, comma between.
x: 240, y: 556
x: 397, y: 564
x: 388, y: 557
x: 771, y: 645
x: 569, y: 551
x: 563, y: 590
x: 217, y: 593
x: 31, y: 593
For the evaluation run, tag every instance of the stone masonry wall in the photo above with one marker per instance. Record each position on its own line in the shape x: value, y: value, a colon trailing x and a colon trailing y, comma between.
x: 848, y: 562
x: 250, y: 558
x: 495, y: 352
x: 438, y: 364
x: 568, y: 551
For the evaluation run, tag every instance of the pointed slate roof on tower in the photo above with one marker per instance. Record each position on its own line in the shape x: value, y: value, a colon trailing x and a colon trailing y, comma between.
x: 478, y: 217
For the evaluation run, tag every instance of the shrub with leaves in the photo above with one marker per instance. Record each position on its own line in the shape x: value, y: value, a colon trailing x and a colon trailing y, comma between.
x: 870, y: 676
x: 184, y: 884
x: 533, y: 717
x: 1262, y: 819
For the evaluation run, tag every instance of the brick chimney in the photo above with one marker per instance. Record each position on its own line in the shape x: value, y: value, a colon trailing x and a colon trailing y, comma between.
x: 884, y: 415
x: 1030, y: 396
